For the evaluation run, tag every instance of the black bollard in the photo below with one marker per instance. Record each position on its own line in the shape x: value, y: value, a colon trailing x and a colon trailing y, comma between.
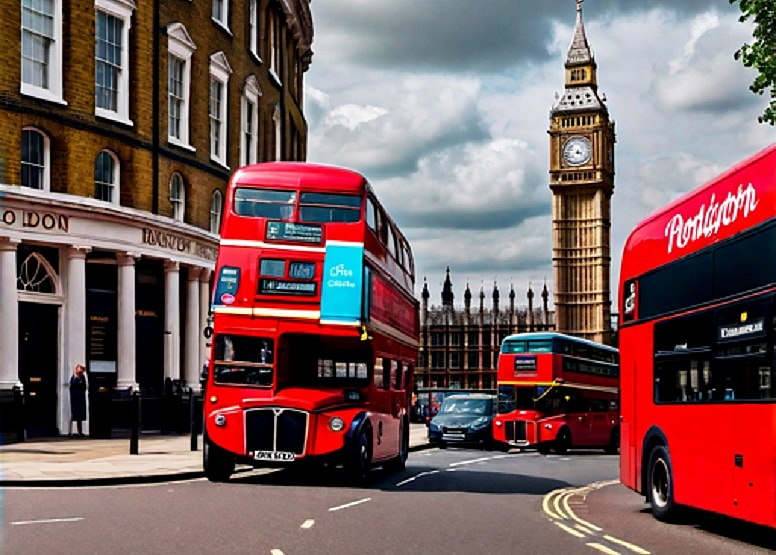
x: 135, y: 423
x: 18, y: 405
x: 193, y: 415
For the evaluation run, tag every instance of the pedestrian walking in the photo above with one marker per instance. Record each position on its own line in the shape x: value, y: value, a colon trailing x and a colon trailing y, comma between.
x: 77, y: 400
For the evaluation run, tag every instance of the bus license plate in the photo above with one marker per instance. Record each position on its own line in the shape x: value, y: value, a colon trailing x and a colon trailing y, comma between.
x: 273, y: 456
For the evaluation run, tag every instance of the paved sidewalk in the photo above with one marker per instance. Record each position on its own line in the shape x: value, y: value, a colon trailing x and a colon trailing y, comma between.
x: 65, y: 461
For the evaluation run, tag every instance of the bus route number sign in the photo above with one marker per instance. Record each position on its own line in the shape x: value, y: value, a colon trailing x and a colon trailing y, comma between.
x: 525, y: 364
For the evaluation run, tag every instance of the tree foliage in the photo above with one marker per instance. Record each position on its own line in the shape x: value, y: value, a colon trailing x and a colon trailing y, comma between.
x: 760, y: 54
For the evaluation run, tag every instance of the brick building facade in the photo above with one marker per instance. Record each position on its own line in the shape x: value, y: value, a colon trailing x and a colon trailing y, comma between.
x: 459, y: 348
x: 120, y: 124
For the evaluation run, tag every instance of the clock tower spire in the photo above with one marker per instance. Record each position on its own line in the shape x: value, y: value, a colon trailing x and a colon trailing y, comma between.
x: 582, y: 183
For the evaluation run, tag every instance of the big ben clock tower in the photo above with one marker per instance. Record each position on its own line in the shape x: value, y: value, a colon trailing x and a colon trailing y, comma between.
x: 582, y: 182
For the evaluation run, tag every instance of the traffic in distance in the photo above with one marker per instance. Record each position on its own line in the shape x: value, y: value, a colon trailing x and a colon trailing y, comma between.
x: 557, y: 392
x: 696, y: 341
x: 315, y: 330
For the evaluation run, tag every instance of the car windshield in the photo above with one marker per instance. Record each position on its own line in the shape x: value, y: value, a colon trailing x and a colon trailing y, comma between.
x: 453, y: 405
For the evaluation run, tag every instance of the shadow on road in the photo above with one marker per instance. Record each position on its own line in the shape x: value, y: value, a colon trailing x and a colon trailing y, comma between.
x: 726, y: 527
x: 416, y: 479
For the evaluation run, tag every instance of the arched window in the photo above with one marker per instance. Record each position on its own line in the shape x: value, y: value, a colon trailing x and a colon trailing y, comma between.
x: 216, y: 208
x: 106, y: 177
x: 177, y: 196
x: 35, y: 159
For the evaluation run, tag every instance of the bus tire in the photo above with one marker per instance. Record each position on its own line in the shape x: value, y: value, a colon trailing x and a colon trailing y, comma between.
x: 614, y: 442
x: 544, y: 449
x: 661, y: 485
x: 360, y: 460
x: 217, y: 463
x: 399, y: 462
x: 563, y: 441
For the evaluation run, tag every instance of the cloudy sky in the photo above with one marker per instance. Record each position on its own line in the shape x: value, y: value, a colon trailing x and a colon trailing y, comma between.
x: 444, y: 105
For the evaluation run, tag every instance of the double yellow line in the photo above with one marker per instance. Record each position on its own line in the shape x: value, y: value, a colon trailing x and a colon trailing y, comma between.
x: 557, y: 506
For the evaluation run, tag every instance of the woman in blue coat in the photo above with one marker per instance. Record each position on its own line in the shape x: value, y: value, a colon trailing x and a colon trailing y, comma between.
x: 78, y: 399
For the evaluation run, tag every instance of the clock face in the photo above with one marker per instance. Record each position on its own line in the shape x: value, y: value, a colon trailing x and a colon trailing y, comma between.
x: 576, y: 151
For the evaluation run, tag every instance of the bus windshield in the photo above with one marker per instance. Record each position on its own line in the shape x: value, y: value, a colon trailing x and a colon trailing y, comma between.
x: 264, y: 203
x: 528, y: 397
x: 327, y: 207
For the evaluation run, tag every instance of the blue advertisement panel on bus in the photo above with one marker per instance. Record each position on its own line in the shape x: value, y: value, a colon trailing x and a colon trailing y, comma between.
x: 341, y: 286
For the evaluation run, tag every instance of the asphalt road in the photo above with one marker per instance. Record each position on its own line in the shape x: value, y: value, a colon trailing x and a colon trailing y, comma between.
x: 453, y: 501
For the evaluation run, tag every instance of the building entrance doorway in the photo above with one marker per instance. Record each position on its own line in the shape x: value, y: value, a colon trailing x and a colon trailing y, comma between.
x: 38, y: 364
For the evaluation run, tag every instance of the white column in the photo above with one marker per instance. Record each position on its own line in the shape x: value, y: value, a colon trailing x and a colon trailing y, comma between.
x: 204, y: 310
x: 9, y: 315
x: 192, y: 329
x: 126, y: 322
x: 75, y: 328
x: 172, y: 321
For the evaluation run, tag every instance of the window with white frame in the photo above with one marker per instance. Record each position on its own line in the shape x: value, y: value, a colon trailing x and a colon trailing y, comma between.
x: 41, y: 49
x: 253, y: 23
x: 177, y: 196
x: 219, y: 81
x: 106, y: 177
x: 113, y: 19
x: 216, y: 208
x: 250, y: 121
x: 35, y: 159
x: 272, y: 43
x: 220, y: 13
x: 180, y: 48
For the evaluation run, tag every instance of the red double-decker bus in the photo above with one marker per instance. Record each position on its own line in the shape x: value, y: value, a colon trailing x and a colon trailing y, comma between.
x: 557, y: 392
x: 696, y: 342
x: 315, y: 331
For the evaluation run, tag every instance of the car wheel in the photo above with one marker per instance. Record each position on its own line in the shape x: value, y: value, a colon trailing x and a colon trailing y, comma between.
x: 217, y: 463
x: 360, y: 460
x: 661, y: 485
x: 614, y: 442
x: 563, y: 441
x: 399, y: 462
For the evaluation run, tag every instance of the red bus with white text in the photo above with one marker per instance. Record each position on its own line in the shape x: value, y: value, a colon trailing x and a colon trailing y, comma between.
x: 557, y: 392
x: 315, y: 330
x: 696, y: 339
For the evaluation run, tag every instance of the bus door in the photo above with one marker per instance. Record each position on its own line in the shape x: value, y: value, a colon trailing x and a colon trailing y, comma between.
x: 578, y: 417
x: 600, y: 425
x: 381, y: 404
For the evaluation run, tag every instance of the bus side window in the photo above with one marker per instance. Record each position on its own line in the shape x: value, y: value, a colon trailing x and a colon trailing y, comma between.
x: 397, y: 383
x: 371, y: 220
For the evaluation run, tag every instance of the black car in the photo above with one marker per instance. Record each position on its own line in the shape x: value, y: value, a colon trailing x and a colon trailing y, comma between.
x: 463, y: 419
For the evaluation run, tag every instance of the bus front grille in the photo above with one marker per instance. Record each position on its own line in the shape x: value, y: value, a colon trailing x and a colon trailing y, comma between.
x: 276, y: 429
x: 516, y: 430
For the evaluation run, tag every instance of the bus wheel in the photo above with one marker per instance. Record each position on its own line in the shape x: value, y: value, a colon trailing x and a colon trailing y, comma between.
x: 399, y: 462
x: 614, y: 442
x: 360, y: 459
x: 563, y: 441
x: 217, y: 463
x: 661, y: 485
x: 544, y: 448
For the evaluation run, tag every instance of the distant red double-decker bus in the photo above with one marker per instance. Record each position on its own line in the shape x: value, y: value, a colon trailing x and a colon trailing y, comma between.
x: 315, y: 332
x: 696, y: 342
x: 557, y: 392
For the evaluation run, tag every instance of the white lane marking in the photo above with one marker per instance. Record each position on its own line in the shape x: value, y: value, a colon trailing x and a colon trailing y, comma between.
x: 307, y: 524
x: 471, y: 461
x: 351, y: 504
x: 634, y: 548
x: 569, y: 530
x: 276, y: 552
x: 603, y: 548
x: 47, y: 520
x: 413, y: 478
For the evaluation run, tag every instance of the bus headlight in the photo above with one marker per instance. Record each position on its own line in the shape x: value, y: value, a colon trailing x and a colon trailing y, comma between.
x: 220, y: 420
x: 336, y: 424
x: 548, y: 426
x: 499, y: 423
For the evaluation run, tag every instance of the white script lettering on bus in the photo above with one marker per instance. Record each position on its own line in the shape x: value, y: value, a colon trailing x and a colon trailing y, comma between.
x: 707, y: 222
x: 340, y: 271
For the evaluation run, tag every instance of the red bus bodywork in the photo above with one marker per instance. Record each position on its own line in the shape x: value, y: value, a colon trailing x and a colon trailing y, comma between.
x: 696, y: 342
x: 315, y: 330
x: 561, y: 397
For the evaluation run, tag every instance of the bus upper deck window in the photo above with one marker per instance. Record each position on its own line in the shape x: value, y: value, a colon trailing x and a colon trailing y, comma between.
x: 329, y: 207
x: 264, y: 203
